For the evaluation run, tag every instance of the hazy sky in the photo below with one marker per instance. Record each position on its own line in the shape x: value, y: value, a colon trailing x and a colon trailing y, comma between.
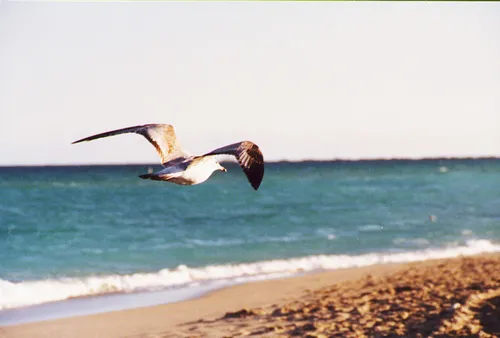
x: 302, y: 80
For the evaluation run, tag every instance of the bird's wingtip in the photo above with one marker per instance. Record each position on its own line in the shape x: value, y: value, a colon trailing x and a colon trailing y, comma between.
x: 255, y: 186
x: 78, y: 141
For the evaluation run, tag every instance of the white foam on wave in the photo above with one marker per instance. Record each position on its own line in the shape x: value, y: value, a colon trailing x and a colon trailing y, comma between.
x: 292, y: 237
x: 411, y: 241
x: 13, y: 295
x: 371, y: 227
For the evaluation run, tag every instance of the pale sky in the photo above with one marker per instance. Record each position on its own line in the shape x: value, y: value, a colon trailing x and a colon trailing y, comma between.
x: 302, y: 80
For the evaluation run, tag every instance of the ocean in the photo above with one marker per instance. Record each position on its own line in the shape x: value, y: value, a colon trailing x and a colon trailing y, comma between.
x: 87, y: 239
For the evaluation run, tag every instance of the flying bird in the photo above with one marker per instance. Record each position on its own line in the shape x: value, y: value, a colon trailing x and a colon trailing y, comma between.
x: 180, y: 167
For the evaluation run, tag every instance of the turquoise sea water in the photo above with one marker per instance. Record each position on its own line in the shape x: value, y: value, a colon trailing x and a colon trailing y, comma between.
x: 84, y: 230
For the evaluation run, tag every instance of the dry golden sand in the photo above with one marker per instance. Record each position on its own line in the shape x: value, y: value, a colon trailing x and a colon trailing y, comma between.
x: 443, y: 298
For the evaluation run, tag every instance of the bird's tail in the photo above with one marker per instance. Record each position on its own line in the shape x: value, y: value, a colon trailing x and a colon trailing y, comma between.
x: 146, y: 176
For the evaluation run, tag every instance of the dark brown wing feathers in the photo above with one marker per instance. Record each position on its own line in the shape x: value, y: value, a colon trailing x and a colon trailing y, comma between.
x: 249, y: 157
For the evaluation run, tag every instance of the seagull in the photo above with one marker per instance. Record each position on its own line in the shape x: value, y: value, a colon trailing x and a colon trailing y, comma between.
x: 180, y: 167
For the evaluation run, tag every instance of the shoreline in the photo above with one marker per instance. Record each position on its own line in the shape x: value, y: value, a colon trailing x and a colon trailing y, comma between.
x: 220, y: 311
x: 119, y: 292
x: 213, y: 303
x: 120, y: 301
x: 97, y: 304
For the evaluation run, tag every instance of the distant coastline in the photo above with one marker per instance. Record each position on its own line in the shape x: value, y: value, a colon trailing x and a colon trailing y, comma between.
x: 305, y: 161
x: 393, y: 159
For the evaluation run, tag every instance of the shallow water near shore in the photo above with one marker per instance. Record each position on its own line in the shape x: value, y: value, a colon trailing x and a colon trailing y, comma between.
x: 82, y: 231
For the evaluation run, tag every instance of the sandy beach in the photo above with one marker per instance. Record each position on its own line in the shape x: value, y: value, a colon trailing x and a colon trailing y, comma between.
x: 438, y: 298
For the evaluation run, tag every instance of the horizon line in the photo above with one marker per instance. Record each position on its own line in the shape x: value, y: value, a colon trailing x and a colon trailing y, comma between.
x: 333, y: 160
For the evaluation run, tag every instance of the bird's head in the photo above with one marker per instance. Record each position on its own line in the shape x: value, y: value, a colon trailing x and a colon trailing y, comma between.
x: 217, y: 165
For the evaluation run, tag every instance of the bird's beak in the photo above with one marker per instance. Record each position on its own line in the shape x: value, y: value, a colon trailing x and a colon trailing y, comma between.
x: 223, y: 169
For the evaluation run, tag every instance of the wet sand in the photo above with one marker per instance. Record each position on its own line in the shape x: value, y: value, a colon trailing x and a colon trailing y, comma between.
x: 438, y: 298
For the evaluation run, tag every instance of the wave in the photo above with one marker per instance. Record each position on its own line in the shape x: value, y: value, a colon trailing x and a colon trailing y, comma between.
x: 411, y: 241
x: 288, y: 238
x: 293, y: 237
x: 370, y: 227
x: 25, y: 293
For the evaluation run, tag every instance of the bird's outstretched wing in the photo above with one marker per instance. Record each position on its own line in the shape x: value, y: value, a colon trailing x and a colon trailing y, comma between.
x: 161, y: 136
x: 249, y: 157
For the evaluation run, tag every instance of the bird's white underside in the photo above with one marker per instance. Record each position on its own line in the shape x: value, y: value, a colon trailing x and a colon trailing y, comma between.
x: 196, y: 173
